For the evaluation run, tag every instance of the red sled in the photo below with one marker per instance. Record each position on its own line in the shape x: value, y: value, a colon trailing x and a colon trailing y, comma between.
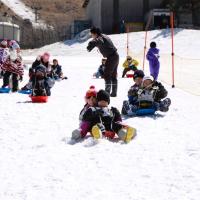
x: 39, y: 99
x: 129, y: 75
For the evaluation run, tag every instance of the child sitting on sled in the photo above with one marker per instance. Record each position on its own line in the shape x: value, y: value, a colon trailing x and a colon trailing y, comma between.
x: 129, y: 64
x: 103, y: 121
x: 100, y: 71
x: 148, y: 95
x: 90, y: 101
x: 40, y: 83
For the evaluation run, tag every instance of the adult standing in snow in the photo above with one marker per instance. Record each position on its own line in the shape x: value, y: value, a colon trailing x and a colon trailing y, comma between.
x: 154, y: 64
x: 109, y: 51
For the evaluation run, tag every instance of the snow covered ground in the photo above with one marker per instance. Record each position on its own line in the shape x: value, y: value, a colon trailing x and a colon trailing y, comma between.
x: 22, y: 10
x: 161, y: 163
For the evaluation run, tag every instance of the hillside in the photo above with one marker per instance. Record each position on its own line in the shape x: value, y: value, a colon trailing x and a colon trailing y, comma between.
x: 54, y: 20
x: 58, y: 12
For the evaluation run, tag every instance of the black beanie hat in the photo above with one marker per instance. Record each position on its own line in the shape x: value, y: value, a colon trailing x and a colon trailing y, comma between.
x: 138, y: 73
x: 102, y: 95
x: 153, y: 45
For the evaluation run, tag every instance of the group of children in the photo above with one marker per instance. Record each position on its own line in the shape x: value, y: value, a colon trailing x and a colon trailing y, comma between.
x: 144, y: 94
x: 100, y: 120
x: 42, y: 75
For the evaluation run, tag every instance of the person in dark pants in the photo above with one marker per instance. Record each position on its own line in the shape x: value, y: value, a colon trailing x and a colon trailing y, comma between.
x: 109, y: 51
x: 15, y: 80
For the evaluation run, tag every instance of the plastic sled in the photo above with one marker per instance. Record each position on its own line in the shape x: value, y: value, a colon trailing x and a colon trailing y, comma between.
x: 39, y: 99
x: 145, y: 111
x: 129, y: 75
x: 25, y: 91
x: 5, y: 90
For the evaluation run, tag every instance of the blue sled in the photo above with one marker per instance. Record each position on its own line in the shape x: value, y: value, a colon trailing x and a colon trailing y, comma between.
x: 145, y: 111
x: 25, y: 91
x: 4, y: 90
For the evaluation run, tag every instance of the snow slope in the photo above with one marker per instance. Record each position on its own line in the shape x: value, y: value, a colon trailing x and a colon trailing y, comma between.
x: 187, y: 54
x: 161, y: 163
x: 22, y: 10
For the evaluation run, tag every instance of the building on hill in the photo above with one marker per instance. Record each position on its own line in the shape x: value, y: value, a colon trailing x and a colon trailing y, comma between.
x: 110, y: 15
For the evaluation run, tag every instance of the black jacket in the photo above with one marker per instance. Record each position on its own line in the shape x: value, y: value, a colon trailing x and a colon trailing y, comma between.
x: 160, y: 93
x: 104, y: 44
x: 108, y: 117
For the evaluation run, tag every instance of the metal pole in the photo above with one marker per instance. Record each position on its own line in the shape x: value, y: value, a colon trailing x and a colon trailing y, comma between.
x: 172, y: 36
x: 127, y: 46
x: 145, y: 42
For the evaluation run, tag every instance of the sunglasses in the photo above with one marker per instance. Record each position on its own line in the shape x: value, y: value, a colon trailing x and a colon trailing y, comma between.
x: 128, y: 59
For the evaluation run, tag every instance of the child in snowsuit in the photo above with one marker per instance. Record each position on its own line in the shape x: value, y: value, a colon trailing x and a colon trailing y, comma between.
x: 40, y: 60
x: 101, y: 68
x: 40, y: 83
x: 90, y: 101
x: 132, y: 93
x: 56, y: 71
x: 154, y: 64
x: 149, y: 95
x: 105, y: 121
x: 129, y: 64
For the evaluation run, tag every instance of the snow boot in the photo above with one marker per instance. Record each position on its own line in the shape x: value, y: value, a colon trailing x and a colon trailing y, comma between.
x: 125, y: 108
x: 164, y: 105
x: 108, y: 86
x: 114, y: 88
x: 76, y: 134
x: 97, y: 131
x: 127, y: 134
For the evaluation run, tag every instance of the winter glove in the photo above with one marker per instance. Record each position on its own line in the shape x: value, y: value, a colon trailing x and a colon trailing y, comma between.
x: 90, y: 46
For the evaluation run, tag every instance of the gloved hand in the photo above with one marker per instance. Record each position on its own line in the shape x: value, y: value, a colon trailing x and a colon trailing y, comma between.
x: 90, y: 46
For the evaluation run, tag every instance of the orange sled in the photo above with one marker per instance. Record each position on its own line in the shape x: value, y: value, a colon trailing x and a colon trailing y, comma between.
x: 129, y: 75
x: 39, y: 99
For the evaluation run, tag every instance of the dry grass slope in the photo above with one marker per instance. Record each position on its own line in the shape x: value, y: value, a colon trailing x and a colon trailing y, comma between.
x: 58, y: 12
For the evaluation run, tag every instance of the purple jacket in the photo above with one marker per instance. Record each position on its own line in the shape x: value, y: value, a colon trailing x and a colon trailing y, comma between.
x: 154, y: 64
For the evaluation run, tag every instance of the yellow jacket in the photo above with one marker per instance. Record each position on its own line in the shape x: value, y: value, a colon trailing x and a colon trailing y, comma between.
x: 133, y: 63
